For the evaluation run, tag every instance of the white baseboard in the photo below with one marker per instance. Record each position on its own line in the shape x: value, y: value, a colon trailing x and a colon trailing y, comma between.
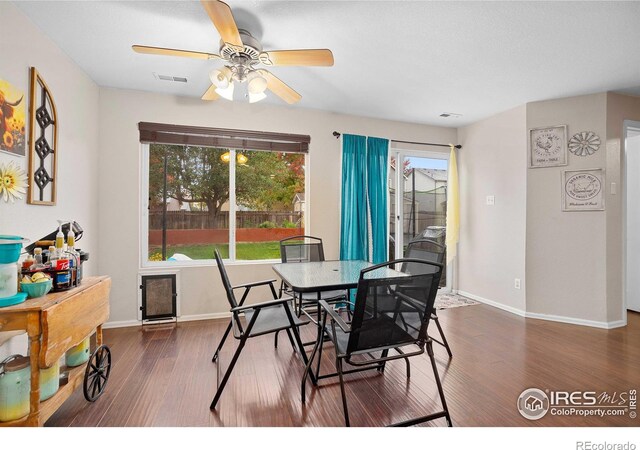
x: 208, y: 316
x: 122, y: 324
x: 549, y: 317
x: 576, y: 321
x: 486, y: 301
x: 190, y: 318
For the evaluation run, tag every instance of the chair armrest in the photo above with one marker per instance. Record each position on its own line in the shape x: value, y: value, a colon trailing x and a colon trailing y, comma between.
x: 335, y: 316
x: 279, y: 301
x: 254, y: 284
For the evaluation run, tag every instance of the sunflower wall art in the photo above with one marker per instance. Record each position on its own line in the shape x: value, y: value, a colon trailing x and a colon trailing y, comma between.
x: 13, y: 182
x: 12, y: 119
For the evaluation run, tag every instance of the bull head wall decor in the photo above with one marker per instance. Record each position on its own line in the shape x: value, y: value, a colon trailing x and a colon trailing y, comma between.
x: 12, y: 119
x: 43, y: 143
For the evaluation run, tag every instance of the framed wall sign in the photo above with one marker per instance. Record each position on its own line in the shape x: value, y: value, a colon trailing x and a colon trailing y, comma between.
x: 583, y: 190
x: 548, y: 146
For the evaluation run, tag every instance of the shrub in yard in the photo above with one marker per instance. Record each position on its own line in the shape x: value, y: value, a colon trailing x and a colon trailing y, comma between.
x: 267, y: 224
x: 288, y: 224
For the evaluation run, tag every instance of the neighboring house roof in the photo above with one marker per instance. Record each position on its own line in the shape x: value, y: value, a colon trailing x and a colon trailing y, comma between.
x: 298, y: 198
x: 436, y: 174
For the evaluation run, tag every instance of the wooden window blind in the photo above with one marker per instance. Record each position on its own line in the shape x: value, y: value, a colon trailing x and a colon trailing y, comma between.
x: 160, y: 133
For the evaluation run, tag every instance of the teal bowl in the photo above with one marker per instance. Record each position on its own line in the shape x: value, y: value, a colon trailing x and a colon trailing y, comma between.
x: 10, y: 248
x: 35, y: 290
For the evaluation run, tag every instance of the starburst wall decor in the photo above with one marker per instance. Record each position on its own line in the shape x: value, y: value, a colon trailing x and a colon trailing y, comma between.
x: 13, y: 182
x: 584, y: 143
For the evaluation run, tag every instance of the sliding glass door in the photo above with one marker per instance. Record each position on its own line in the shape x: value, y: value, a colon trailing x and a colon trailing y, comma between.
x: 417, y: 200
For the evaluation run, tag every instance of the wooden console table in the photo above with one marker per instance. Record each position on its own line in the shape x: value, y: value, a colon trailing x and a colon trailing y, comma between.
x: 54, y: 324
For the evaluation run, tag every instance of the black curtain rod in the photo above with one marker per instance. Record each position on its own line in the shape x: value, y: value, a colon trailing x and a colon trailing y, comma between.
x: 337, y: 135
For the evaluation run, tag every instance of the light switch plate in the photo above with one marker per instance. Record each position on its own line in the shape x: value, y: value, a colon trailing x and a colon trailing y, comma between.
x: 491, y: 200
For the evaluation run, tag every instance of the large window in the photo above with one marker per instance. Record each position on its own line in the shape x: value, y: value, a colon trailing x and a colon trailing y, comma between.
x: 200, y: 198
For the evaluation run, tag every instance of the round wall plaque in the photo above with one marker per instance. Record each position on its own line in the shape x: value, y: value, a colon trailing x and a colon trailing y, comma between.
x: 584, y: 143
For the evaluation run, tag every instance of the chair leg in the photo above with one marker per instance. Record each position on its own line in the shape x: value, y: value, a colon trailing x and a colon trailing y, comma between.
x: 319, y: 355
x: 293, y: 345
x: 438, y: 382
x: 406, y: 360
x: 342, y: 391
x: 434, y: 317
x: 307, y: 369
x: 224, y: 338
x: 227, y: 374
x: 275, y: 343
x: 384, y: 363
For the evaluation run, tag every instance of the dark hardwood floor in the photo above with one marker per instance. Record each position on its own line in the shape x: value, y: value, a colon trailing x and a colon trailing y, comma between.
x: 163, y: 376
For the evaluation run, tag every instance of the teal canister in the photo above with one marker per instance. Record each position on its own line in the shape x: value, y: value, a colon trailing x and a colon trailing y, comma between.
x: 79, y: 354
x: 49, y: 381
x: 15, y: 384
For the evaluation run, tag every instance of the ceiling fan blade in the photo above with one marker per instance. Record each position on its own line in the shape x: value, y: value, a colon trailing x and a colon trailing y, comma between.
x: 316, y: 57
x: 222, y: 18
x: 173, y: 52
x: 280, y: 88
x: 211, y: 93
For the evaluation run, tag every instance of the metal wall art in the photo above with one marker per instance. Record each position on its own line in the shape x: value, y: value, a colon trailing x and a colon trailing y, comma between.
x: 43, y: 143
x: 548, y: 146
x: 584, y: 143
x: 583, y: 190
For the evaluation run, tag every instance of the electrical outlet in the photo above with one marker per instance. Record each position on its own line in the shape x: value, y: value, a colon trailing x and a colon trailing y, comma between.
x: 491, y: 200
x: 516, y: 283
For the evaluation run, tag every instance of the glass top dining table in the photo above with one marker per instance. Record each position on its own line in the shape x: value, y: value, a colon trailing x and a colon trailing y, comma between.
x: 328, y: 275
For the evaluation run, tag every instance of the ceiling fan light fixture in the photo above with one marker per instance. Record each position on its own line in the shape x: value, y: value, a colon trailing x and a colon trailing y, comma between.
x: 221, y: 78
x: 225, y: 157
x: 226, y: 92
x: 257, y: 84
x: 254, y: 98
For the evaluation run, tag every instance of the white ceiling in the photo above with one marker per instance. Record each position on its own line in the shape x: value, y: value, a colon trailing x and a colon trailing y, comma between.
x: 407, y: 61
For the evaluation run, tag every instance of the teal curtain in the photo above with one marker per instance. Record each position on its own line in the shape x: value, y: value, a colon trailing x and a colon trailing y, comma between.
x: 377, y: 161
x: 353, y: 218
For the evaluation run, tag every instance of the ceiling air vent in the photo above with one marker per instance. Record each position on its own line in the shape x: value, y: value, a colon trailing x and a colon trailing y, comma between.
x: 454, y: 115
x: 169, y: 78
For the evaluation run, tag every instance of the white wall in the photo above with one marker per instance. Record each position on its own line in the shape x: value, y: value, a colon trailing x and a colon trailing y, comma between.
x: 566, y: 263
x: 492, y: 238
x: 202, y: 293
x: 619, y: 108
x: 76, y: 97
x: 633, y: 220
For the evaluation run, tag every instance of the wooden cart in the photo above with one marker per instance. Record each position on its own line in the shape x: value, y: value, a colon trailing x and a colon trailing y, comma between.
x: 54, y: 324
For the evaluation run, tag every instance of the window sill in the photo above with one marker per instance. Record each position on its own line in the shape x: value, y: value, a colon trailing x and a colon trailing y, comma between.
x: 156, y: 265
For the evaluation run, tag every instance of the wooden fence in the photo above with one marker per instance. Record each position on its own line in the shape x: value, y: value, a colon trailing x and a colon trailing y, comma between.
x: 202, y: 220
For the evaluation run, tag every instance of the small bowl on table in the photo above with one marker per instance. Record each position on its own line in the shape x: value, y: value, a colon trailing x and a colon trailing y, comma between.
x: 35, y: 290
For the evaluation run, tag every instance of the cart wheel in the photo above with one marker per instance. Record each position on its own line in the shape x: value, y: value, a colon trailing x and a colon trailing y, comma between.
x: 97, y: 372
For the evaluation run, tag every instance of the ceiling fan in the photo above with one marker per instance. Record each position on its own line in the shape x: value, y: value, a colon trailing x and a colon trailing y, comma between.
x: 241, y: 53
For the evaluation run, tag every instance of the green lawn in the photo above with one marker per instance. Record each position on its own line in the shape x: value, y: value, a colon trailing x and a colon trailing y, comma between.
x: 244, y: 250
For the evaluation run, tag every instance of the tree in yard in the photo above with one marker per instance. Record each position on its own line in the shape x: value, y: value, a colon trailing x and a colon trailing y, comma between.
x: 198, y: 176
x: 195, y: 175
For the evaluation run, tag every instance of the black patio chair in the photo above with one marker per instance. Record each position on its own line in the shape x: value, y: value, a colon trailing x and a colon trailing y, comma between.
x: 297, y: 249
x: 261, y: 318
x: 427, y: 250
x: 376, y: 328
